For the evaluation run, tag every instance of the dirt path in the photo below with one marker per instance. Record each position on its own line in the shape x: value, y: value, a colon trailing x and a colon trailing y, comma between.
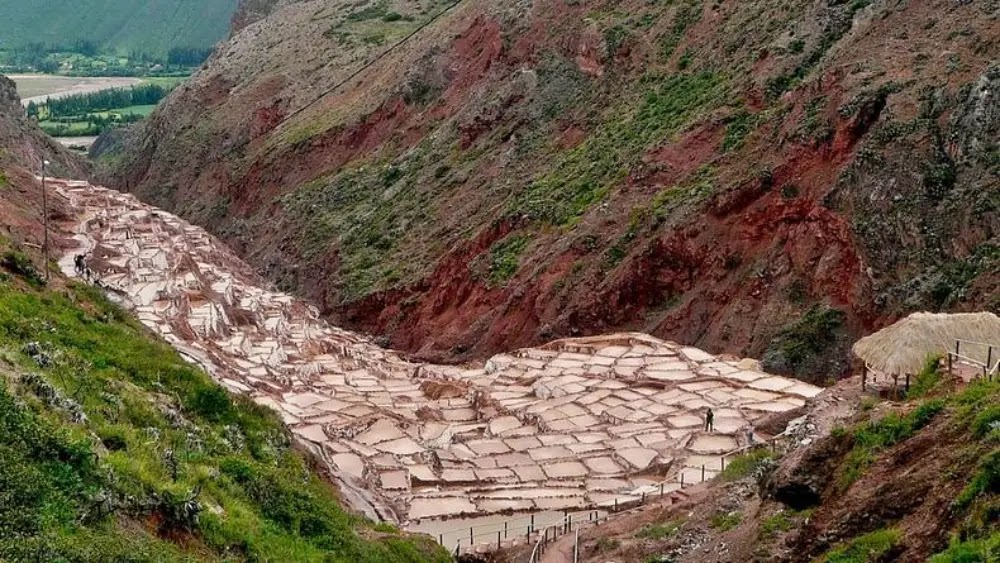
x: 561, y: 551
x: 408, y: 442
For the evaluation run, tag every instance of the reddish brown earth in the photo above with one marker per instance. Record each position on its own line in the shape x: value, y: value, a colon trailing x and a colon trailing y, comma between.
x: 22, y: 149
x: 865, y: 184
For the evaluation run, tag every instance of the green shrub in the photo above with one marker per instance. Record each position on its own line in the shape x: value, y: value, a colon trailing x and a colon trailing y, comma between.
x: 869, y: 547
x: 779, y: 522
x: 607, y: 544
x: 113, y: 438
x: 985, y: 481
x: 987, y: 423
x: 744, y: 465
x: 688, y: 13
x: 211, y: 402
x: 871, y: 438
x: 505, y: 258
x: 725, y: 521
x: 373, y: 12
x: 927, y: 380
x: 614, y: 38
x: 983, y: 550
x: 738, y: 126
x: 658, y: 531
x: 18, y: 263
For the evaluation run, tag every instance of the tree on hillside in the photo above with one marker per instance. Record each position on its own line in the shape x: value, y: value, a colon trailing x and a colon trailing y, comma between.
x: 187, y: 56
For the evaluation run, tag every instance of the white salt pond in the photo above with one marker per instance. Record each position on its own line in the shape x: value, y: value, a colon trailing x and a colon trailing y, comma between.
x: 569, y: 426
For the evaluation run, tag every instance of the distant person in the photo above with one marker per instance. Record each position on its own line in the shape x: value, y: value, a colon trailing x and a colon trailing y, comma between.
x: 709, y: 420
x: 80, y: 265
x: 750, y: 435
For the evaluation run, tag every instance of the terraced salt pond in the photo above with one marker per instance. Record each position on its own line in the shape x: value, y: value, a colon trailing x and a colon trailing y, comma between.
x: 572, y: 425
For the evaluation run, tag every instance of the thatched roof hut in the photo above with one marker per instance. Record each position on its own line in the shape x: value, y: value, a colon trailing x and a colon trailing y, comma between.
x: 904, y: 347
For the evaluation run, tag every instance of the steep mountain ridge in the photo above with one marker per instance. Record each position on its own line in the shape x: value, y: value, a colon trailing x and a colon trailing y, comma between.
x: 747, y: 177
x: 23, y: 147
x: 23, y: 143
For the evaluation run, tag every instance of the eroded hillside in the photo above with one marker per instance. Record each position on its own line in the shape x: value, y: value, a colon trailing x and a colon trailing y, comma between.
x: 751, y: 177
x: 22, y: 149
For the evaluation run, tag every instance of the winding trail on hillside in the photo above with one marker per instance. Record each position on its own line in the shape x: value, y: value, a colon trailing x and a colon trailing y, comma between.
x: 573, y: 425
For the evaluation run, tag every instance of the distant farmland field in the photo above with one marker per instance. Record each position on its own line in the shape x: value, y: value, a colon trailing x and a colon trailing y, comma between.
x: 37, y: 87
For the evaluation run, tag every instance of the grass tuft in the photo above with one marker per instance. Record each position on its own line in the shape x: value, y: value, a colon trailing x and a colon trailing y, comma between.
x: 869, y: 547
x: 874, y: 437
x: 745, y: 465
x: 659, y: 531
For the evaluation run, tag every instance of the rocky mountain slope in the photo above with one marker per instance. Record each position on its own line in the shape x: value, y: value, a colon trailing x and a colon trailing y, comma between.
x: 23, y: 147
x: 23, y: 144
x: 750, y: 177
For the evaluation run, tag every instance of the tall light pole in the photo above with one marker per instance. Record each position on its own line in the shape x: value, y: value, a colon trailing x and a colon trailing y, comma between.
x: 45, y: 221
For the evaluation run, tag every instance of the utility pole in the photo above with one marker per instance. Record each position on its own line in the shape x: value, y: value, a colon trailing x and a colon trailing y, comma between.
x: 45, y: 221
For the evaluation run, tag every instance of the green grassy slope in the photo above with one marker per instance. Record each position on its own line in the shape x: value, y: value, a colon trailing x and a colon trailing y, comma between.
x: 112, y: 448
x: 150, y: 26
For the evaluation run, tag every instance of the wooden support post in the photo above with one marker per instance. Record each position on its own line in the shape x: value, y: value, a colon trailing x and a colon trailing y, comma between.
x: 864, y: 377
x: 441, y: 539
x: 471, y: 540
x: 703, y: 473
x: 504, y: 528
x: 723, y: 458
x: 498, y: 539
x: 949, y: 364
x: 907, y: 384
x: 531, y: 526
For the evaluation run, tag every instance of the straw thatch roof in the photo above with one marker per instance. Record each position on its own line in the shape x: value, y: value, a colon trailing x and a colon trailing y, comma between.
x: 903, y: 347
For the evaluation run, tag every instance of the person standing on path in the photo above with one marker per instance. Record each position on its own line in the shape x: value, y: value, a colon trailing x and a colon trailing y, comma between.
x: 709, y: 420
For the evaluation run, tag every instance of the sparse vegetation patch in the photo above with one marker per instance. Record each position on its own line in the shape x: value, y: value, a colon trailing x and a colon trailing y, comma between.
x: 585, y: 174
x: 874, y: 437
x: 866, y: 548
x: 505, y: 258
